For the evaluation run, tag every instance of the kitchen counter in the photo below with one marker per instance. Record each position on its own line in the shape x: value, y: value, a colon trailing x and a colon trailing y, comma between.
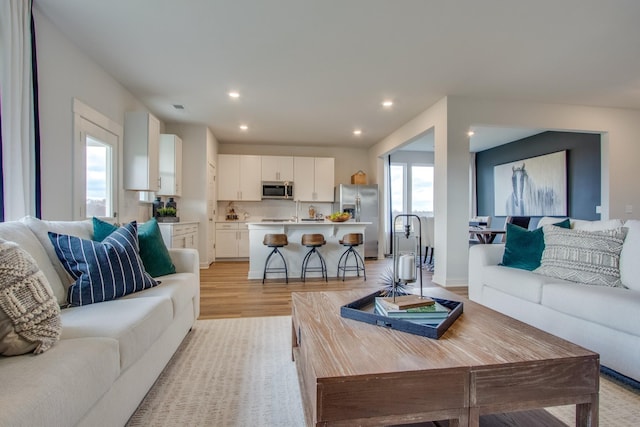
x: 294, y: 252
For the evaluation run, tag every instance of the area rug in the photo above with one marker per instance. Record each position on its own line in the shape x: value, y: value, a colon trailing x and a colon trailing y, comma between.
x: 238, y: 372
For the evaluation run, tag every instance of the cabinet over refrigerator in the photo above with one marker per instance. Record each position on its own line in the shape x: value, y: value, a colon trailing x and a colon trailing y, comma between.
x: 361, y: 201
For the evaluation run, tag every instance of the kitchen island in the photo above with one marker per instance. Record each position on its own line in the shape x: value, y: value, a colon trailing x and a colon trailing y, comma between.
x: 294, y: 252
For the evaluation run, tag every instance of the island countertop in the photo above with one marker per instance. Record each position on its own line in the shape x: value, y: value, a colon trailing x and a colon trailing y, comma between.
x: 294, y: 252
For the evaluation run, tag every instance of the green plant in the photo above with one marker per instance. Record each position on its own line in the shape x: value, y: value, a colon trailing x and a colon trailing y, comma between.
x: 167, y: 211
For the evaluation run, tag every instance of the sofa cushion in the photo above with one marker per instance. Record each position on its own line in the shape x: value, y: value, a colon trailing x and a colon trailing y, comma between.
x: 153, y: 252
x: 523, y: 248
x: 607, y: 224
x: 19, y: 232
x: 103, y: 270
x: 589, y: 257
x: 29, y: 312
x: 57, y: 387
x: 135, y: 324
x: 616, y: 308
x: 41, y: 228
x: 517, y: 282
x: 630, y: 256
x: 180, y: 288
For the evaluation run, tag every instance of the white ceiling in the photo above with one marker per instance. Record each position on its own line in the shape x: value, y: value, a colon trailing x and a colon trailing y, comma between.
x: 310, y: 71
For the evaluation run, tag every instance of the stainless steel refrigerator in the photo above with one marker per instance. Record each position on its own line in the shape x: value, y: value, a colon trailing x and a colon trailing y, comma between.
x: 362, y: 202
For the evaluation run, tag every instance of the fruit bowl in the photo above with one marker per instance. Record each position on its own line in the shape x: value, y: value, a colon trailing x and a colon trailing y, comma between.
x: 341, y: 218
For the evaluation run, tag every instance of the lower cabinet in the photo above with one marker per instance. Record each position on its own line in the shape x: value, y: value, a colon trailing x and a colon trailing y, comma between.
x: 232, y: 240
x: 180, y: 234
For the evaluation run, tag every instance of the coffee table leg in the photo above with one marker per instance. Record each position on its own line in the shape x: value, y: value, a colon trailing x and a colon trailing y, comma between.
x: 587, y: 413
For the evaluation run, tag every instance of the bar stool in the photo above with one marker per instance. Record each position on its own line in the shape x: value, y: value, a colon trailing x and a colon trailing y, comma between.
x: 313, y: 241
x: 275, y: 241
x: 351, y: 240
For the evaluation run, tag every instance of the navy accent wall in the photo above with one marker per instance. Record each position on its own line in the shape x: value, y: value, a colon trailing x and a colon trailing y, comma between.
x: 583, y: 170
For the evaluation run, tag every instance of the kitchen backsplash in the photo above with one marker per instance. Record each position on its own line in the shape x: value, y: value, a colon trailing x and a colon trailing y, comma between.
x: 281, y: 209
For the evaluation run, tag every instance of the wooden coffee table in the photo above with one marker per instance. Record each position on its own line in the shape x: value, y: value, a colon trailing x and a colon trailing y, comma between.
x: 354, y: 373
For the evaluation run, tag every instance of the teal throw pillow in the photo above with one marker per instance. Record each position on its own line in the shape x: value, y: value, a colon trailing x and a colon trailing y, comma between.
x: 524, y: 248
x: 105, y: 270
x: 101, y: 229
x: 154, y: 253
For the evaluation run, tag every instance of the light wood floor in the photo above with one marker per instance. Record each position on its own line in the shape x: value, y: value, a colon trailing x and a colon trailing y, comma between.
x: 225, y: 291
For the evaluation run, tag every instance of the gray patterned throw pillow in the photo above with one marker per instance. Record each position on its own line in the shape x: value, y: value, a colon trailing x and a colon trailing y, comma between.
x: 29, y: 312
x: 590, y: 257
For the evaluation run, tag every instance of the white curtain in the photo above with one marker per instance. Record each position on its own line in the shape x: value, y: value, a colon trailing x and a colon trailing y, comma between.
x: 16, y: 90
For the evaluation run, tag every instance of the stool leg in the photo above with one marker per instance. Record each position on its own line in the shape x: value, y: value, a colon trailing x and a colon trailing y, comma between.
x: 284, y: 262
x: 266, y: 264
x: 323, y: 265
x: 339, y: 262
x: 305, y: 261
x: 359, y: 257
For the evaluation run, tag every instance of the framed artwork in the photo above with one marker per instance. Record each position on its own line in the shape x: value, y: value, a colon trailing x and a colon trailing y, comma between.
x: 536, y: 186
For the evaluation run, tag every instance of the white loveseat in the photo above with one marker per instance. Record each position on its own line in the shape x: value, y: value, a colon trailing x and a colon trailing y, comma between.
x: 109, y: 353
x: 603, y: 319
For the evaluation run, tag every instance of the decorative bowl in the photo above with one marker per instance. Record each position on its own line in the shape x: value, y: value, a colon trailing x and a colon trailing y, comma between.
x: 341, y: 218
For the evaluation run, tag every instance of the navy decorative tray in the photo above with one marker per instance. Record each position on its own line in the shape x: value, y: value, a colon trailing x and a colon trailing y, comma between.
x: 363, y: 311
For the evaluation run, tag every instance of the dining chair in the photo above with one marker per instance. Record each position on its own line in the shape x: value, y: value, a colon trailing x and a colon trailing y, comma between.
x: 521, y: 221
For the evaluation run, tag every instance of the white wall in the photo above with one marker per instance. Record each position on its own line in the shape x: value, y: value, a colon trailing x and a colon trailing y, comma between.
x: 198, y: 148
x: 452, y: 117
x: 64, y: 72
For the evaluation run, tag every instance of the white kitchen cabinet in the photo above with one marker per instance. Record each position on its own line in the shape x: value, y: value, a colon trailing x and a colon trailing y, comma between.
x: 239, y: 177
x: 277, y: 168
x: 313, y: 179
x: 179, y: 234
x: 170, y: 161
x: 141, y: 151
x: 232, y: 240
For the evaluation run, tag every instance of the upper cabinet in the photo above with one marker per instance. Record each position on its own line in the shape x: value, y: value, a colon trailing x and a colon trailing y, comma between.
x: 239, y: 177
x: 170, y: 166
x: 141, y: 151
x: 313, y: 179
x: 277, y: 168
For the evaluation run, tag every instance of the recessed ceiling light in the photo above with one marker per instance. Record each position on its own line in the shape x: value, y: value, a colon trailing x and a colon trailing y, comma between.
x: 234, y: 94
x: 357, y: 132
x: 244, y: 127
x: 471, y: 133
x: 387, y: 103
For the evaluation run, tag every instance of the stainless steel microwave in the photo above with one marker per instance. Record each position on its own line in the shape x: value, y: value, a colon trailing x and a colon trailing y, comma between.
x: 277, y: 190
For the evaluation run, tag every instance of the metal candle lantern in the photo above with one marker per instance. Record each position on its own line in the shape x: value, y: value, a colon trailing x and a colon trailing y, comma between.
x: 406, y: 262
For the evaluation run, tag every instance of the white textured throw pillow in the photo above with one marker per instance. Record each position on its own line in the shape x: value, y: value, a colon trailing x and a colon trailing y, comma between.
x: 29, y: 312
x: 590, y: 257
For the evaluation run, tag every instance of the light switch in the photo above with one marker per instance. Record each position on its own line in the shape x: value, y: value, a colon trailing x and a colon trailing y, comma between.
x: 598, y: 209
x: 628, y: 209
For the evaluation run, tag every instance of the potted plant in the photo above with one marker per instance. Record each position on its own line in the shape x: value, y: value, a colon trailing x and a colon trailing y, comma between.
x: 167, y: 214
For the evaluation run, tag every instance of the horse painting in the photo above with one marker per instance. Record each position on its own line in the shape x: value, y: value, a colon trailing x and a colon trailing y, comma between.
x: 527, y: 198
x: 536, y: 186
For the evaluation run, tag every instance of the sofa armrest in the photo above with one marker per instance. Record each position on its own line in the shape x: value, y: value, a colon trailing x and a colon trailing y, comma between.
x: 186, y: 260
x: 481, y: 256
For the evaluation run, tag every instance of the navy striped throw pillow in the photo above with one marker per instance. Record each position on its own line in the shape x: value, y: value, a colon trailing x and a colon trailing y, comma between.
x: 102, y: 270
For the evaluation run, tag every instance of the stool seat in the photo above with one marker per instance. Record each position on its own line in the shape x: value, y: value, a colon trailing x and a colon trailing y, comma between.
x: 313, y: 240
x: 273, y: 240
x: 351, y: 240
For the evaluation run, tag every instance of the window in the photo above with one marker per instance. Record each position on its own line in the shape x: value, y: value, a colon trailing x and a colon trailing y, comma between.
x: 95, y: 181
x: 99, y: 168
x: 421, y: 190
x: 398, y: 177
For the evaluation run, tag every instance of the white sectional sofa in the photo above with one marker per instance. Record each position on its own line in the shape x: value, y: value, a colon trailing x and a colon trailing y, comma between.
x: 109, y: 353
x: 603, y: 319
